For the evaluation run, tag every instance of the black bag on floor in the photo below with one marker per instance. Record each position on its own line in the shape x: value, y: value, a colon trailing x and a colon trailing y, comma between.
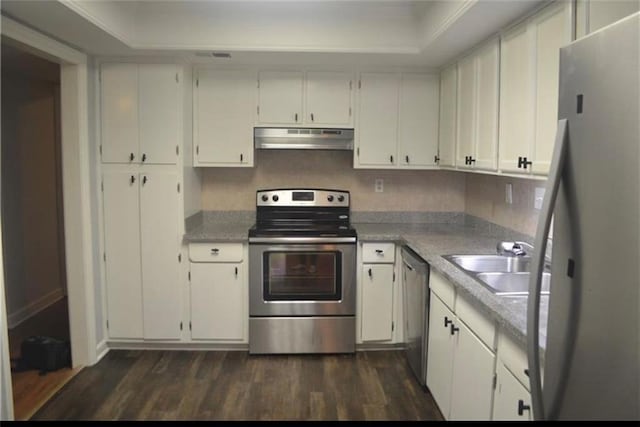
x: 45, y: 354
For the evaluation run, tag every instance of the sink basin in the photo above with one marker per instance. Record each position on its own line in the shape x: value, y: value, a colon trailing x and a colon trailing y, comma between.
x: 491, y: 263
x: 512, y: 284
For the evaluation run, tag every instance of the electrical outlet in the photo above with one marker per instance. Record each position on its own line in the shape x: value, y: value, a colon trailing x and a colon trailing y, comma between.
x: 379, y: 185
x: 508, y: 194
x: 538, y: 198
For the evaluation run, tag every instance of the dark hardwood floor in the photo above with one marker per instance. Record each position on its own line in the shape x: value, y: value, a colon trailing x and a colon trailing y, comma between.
x: 221, y: 385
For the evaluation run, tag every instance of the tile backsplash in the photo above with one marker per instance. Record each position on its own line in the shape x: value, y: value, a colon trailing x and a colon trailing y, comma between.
x: 404, y: 190
x: 485, y: 198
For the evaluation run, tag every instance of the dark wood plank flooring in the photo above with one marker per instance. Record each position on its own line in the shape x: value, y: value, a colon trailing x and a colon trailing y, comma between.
x: 221, y: 385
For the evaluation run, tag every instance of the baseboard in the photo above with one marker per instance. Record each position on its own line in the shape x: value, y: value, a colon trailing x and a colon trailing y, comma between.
x: 24, y: 313
x: 379, y: 346
x: 125, y: 345
x: 101, y: 350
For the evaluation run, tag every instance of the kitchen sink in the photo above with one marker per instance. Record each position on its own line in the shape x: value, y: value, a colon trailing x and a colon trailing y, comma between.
x: 502, y: 275
x: 491, y: 263
x: 512, y: 284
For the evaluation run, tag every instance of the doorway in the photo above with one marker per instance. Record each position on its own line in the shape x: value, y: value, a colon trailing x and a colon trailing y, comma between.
x: 32, y: 219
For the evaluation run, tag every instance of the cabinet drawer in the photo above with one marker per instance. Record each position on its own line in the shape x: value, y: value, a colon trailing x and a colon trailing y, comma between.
x: 441, y: 287
x: 514, y: 358
x: 215, y: 252
x: 378, y: 252
x: 478, y: 322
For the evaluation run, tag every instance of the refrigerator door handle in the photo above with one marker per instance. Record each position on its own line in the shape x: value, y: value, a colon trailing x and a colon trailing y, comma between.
x: 535, y: 283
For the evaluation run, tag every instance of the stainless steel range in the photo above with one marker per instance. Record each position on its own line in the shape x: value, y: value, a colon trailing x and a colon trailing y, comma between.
x: 302, y: 273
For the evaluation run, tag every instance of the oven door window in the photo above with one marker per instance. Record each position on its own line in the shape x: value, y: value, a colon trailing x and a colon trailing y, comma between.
x: 302, y: 276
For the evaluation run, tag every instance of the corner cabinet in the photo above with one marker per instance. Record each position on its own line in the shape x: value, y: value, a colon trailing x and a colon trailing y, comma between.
x: 305, y: 99
x: 397, y: 124
x: 377, y: 273
x: 218, y: 292
x: 142, y: 254
x: 529, y: 84
x: 477, y: 112
x: 461, y: 355
x: 224, y: 108
x: 140, y: 113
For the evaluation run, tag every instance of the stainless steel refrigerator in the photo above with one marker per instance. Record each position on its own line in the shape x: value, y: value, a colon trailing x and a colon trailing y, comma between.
x: 591, y: 362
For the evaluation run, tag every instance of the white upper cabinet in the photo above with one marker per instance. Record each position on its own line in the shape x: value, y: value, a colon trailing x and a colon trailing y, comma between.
x: 418, y: 120
x: 466, y: 116
x: 377, y: 131
x: 140, y: 113
x: 280, y: 97
x: 447, y: 125
x: 591, y: 15
x: 517, y: 87
x: 311, y: 99
x: 529, y: 89
x: 477, y: 113
x: 224, y: 106
x: 487, y: 72
x: 119, y: 107
x: 328, y: 98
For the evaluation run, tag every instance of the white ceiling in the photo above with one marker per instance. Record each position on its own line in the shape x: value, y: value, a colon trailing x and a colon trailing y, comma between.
x: 401, y: 32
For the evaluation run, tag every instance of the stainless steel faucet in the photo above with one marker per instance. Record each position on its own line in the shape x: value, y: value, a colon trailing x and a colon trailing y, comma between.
x: 514, y: 248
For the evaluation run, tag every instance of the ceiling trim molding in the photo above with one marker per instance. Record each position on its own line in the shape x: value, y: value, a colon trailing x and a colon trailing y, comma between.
x: 447, y: 23
x: 95, y: 21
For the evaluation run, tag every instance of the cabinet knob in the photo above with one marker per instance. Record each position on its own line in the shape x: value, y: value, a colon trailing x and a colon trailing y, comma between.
x: 522, y: 407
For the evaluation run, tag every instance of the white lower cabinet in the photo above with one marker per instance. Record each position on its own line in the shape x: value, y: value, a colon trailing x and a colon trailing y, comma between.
x: 512, y: 401
x: 141, y: 254
x: 218, y: 293
x: 461, y: 358
x: 377, y: 292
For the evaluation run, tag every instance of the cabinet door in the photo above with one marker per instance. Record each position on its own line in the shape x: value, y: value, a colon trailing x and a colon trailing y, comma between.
x: 122, y: 248
x: 552, y: 31
x: 328, y: 98
x: 377, y: 131
x: 512, y: 401
x: 472, y: 384
x: 516, y: 97
x: 159, y: 113
x: 224, y: 106
x: 160, y: 248
x: 447, y: 126
x: 466, y: 128
x: 119, y: 113
x: 440, y: 354
x: 486, y: 143
x: 280, y: 97
x: 418, y: 120
x: 377, y: 302
x: 218, y: 302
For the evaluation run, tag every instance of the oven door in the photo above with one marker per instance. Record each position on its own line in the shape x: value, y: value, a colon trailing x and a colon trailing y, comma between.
x: 300, y: 279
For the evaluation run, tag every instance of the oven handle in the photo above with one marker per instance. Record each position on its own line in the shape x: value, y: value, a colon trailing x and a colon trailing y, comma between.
x: 277, y: 240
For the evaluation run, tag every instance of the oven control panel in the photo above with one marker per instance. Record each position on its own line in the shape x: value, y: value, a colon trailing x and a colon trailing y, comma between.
x: 303, y: 197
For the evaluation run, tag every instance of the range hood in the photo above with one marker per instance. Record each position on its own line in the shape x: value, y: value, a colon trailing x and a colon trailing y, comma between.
x: 303, y: 139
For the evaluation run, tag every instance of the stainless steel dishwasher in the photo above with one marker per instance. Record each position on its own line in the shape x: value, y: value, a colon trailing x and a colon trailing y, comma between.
x: 415, y: 277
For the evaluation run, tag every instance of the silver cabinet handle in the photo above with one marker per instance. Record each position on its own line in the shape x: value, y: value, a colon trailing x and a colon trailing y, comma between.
x: 535, y: 282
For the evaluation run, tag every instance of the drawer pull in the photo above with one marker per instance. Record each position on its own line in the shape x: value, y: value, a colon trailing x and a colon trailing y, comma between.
x: 370, y: 273
x: 215, y: 251
x: 447, y: 322
x: 522, y: 407
x: 379, y: 251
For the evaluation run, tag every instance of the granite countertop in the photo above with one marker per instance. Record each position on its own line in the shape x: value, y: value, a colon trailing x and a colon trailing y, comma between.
x: 454, y: 234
